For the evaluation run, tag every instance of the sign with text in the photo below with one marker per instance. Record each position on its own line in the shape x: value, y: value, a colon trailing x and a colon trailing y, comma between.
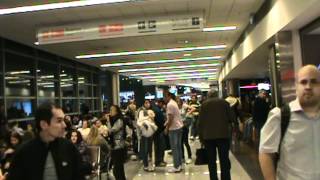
x: 121, y: 28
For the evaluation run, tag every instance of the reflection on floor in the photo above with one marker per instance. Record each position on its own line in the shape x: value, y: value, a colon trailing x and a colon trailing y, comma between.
x: 247, y: 169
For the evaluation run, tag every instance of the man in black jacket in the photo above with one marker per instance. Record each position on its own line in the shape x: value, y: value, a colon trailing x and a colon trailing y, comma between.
x: 214, y: 123
x: 49, y: 155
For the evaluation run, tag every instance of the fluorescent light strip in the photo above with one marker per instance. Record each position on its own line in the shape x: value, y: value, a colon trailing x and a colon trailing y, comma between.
x: 178, y: 75
x: 161, y: 61
x: 51, y: 6
x: 221, y: 28
x: 151, y: 51
x: 169, y: 67
x: 180, y: 78
x: 172, y: 72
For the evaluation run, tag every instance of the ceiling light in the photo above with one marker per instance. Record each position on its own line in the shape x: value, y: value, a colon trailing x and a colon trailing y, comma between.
x: 219, y: 28
x: 160, y: 61
x: 151, y: 51
x: 178, y: 75
x: 172, y: 72
x: 19, y: 72
x: 169, y: 67
x: 181, y: 78
x: 187, y: 55
x: 57, y: 6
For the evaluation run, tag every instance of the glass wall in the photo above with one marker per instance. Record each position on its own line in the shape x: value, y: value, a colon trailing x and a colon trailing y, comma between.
x: 30, y: 77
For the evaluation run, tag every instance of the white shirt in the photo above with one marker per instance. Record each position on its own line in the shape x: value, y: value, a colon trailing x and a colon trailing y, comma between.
x: 300, y: 148
x: 173, y: 109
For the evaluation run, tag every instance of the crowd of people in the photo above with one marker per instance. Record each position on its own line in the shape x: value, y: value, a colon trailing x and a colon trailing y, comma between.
x: 59, y: 145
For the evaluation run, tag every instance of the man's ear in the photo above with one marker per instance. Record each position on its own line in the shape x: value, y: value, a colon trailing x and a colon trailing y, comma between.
x: 43, y: 124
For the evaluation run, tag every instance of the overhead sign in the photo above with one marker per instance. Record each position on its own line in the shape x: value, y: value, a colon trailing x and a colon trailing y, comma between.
x: 121, y: 28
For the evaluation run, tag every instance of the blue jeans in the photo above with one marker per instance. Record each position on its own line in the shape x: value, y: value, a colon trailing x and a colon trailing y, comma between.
x: 145, y: 150
x: 159, y: 147
x: 175, y: 137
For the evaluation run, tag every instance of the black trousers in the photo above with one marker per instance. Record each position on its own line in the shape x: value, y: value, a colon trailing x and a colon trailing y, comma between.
x: 118, y: 160
x: 185, y: 142
x: 223, y: 146
x: 159, y: 147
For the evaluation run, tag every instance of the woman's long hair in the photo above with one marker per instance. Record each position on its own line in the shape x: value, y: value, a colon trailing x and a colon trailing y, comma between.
x: 93, y: 136
x: 119, y: 115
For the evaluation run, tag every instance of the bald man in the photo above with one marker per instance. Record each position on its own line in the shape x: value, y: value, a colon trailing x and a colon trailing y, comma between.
x: 300, y: 147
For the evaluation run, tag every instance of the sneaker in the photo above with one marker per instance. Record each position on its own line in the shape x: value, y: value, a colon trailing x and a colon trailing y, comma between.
x: 162, y: 164
x: 197, y: 138
x: 189, y: 161
x: 174, y: 170
x: 146, y: 169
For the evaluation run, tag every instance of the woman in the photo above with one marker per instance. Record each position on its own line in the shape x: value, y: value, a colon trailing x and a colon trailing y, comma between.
x: 147, y: 127
x: 13, y: 144
x: 77, y: 140
x: 117, y: 133
x: 185, y: 130
x: 95, y: 139
x: 85, y: 129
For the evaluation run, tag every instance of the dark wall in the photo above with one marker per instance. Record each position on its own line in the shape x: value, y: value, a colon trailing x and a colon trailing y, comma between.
x: 310, y: 49
x: 127, y: 84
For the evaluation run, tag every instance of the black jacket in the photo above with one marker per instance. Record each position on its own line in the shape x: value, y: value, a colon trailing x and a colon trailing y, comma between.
x: 215, y: 119
x: 29, y: 161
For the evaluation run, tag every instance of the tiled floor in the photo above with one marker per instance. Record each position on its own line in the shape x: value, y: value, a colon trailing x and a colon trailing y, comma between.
x: 246, y: 170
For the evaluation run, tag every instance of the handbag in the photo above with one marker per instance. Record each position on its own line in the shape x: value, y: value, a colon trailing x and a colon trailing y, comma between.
x: 201, y: 156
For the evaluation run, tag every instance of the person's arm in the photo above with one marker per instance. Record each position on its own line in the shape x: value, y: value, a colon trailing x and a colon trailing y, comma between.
x: 117, y: 126
x: 168, y: 123
x: 267, y: 165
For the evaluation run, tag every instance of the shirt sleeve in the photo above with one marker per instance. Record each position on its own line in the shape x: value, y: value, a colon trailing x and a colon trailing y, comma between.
x: 270, y: 133
x: 170, y: 109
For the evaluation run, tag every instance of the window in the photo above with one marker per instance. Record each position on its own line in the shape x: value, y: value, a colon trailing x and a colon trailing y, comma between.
x: 85, y: 90
x: 67, y: 74
x: 17, y: 65
x: 47, y: 88
x: 96, y: 91
x: 84, y: 77
x: 20, y: 108
x: 69, y: 105
x: 96, y: 104
x: 68, y: 89
x: 47, y: 71
x: 44, y: 100
x: 18, y: 86
x: 85, y: 105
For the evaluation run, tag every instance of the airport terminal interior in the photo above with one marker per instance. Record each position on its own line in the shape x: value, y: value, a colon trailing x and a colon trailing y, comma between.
x: 87, y: 55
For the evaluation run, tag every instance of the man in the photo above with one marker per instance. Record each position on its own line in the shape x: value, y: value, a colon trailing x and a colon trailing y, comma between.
x: 300, y: 147
x: 48, y: 156
x: 214, y: 123
x: 260, y: 112
x: 174, y: 126
x: 158, y: 138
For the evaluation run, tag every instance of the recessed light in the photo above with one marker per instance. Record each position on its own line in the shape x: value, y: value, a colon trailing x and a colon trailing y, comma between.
x: 170, y: 67
x: 61, y: 5
x: 179, y: 49
x: 161, y: 61
x: 219, y: 28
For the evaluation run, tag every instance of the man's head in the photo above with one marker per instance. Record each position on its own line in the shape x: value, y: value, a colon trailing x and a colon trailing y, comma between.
x: 194, y: 98
x: 262, y: 94
x: 308, y: 86
x: 50, y: 121
x: 212, y: 94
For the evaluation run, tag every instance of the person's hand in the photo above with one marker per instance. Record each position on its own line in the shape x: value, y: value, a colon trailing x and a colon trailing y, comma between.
x: 9, y: 151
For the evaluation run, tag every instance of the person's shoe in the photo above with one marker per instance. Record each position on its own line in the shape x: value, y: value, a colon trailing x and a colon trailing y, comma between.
x: 188, y: 161
x: 162, y: 164
x: 174, y: 170
x: 146, y: 169
x: 197, y: 138
x: 191, y: 138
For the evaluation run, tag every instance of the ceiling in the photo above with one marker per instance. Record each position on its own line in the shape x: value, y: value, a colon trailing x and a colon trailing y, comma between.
x: 22, y: 27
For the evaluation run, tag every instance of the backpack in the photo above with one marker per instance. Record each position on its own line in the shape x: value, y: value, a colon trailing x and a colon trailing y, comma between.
x: 285, y: 120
